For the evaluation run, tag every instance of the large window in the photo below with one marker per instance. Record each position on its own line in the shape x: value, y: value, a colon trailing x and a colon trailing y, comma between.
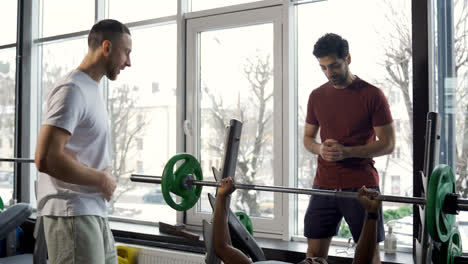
x: 381, y: 55
x: 243, y: 90
x: 8, y: 22
x: 450, y: 89
x: 58, y: 58
x: 7, y: 120
x: 141, y: 103
x: 198, y: 5
x: 62, y: 17
x: 142, y: 123
x: 7, y: 96
x: 233, y: 75
x: 140, y: 9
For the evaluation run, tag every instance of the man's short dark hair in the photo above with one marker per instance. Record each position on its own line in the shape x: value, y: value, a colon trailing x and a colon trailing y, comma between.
x: 329, y: 44
x: 107, y: 29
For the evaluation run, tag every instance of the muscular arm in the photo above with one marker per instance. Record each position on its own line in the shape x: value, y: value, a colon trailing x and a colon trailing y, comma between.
x: 51, y: 158
x: 222, y: 240
x: 310, y: 135
x: 367, y: 243
x: 384, y: 144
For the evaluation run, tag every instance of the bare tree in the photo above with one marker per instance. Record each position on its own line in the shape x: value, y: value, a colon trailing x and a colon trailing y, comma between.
x: 397, y: 62
x: 461, y: 70
x: 7, y: 85
x: 256, y: 146
x: 7, y: 106
x: 50, y: 74
x: 397, y: 58
x: 126, y: 125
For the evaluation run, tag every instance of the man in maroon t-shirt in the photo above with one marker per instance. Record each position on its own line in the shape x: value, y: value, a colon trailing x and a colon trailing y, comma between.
x: 355, y: 125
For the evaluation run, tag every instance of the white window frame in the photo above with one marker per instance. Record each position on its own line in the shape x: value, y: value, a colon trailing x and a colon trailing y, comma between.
x: 262, y: 227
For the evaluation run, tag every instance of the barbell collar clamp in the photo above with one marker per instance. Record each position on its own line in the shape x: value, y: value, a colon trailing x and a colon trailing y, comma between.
x: 450, y: 205
x: 188, y: 184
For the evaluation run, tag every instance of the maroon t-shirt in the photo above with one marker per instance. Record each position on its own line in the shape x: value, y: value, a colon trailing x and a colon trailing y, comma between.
x: 348, y: 115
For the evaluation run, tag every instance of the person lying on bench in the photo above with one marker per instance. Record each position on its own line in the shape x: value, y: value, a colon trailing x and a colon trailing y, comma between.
x: 228, y: 254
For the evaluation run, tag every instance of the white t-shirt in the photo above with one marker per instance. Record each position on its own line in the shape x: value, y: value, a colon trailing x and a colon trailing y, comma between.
x: 76, y: 105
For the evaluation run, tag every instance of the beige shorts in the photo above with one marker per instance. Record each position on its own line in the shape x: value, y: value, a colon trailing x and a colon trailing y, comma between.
x: 79, y: 239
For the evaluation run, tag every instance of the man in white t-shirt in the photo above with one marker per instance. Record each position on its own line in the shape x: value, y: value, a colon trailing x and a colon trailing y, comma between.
x: 73, y: 153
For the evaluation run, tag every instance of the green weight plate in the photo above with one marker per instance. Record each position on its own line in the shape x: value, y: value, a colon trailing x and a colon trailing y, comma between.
x: 442, y: 182
x: 2, y: 205
x: 452, y: 248
x: 246, y: 222
x: 174, y: 181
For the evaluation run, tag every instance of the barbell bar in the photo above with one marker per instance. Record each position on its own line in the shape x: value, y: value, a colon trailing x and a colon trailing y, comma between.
x: 463, y: 203
x: 440, y: 202
x: 17, y: 160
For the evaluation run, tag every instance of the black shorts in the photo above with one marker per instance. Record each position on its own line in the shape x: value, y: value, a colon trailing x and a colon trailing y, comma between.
x: 324, y: 214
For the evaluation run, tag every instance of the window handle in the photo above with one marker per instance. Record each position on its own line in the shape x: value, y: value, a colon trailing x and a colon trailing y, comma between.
x: 188, y: 127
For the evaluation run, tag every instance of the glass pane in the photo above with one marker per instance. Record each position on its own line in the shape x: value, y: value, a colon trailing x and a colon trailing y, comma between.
x: 61, y: 17
x: 242, y: 90
x: 58, y: 59
x: 7, y: 121
x: 381, y: 55
x: 142, y: 109
x: 8, y: 22
x: 198, y: 5
x: 131, y: 11
x: 451, y: 94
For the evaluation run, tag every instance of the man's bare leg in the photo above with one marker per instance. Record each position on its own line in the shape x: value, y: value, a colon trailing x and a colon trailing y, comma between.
x: 318, y: 247
x: 376, y: 258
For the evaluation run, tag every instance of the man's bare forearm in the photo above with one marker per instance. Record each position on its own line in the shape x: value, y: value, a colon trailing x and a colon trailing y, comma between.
x: 370, y: 150
x: 367, y: 242
x: 311, y: 145
x: 221, y: 237
x: 64, y: 167
x: 220, y: 222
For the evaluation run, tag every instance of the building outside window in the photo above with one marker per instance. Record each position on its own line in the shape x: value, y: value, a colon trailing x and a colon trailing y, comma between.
x: 396, y: 184
x: 139, y: 143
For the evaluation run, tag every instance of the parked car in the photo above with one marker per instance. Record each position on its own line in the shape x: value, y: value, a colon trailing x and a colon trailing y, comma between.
x: 6, y: 176
x: 154, y: 196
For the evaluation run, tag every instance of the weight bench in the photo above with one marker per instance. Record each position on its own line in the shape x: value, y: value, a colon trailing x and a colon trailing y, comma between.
x: 12, y: 217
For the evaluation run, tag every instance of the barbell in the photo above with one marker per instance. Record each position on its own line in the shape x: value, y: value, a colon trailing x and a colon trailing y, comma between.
x: 187, y: 182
